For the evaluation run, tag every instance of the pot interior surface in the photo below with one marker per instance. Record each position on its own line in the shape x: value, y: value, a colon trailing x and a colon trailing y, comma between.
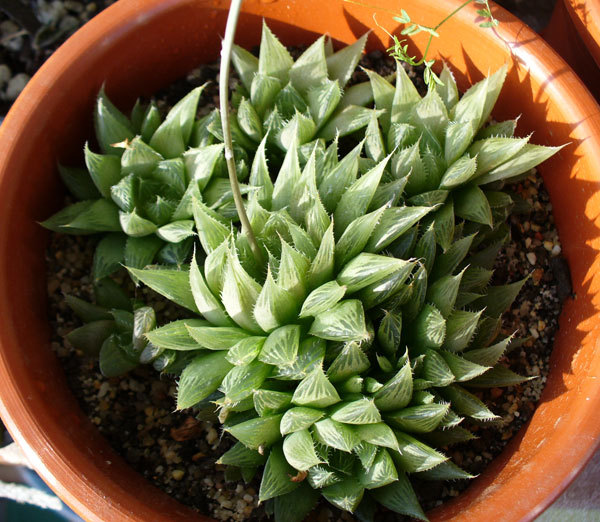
x: 137, y: 47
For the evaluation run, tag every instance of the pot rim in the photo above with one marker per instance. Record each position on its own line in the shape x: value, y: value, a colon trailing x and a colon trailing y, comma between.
x: 45, y: 455
x: 586, y: 18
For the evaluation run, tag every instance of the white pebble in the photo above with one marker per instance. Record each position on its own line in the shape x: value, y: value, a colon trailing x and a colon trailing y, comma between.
x: 104, y: 388
x: 212, y: 436
x: 5, y: 73
x: 15, y: 85
x: 50, y: 12
x: 535, y: 334
x: 8, y: 27
x: 531, y: 257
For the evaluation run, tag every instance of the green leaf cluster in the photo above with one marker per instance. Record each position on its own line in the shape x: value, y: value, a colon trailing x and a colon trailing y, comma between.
x: 349, y: 357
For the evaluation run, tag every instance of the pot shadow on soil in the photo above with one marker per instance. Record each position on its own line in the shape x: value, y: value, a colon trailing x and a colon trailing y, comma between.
x: 575, y: 202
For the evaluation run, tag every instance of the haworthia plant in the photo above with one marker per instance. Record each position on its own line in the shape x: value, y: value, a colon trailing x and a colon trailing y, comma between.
x: 279, y: 98
x: 138, y: 190
x: 347, y: 359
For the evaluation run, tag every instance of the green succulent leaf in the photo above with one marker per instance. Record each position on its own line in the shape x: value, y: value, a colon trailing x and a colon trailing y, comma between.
x: 380, y: 473
x: 274, y: 59
x: 113, y: 359
x: 90, y: 337
x: 471, y: 204
x: 79, y: 182
x: 281, y: 346
x: 460, y: 328
x: 245, y: 63
x: 175, y: 335
x: 322, y: 477
x: 240, y: 455
x: 389, y: 333
x: 345, y: 495
x: 135, y: 225
x: 356, y: 199
x: 299, y: 450
x: 350, y: 361
x: 104, y: 169
x: 466, y: 403
x: 259, y: 176
x: 336, y: 435
x: 257, y: 432
x: 310, y: 69
x: 310, y: 357
x: 448, y: 436
x: 394, y: 222
x: 217, y: 337
x: 499, y: 298
x: 447, y: 90
x: 492, y: 152
x: 276, y: 479
x: 445, y: 471
x: 405, y: 96
x: 141, y: 252
x: 429, y: 328
x: 245, y: 350
x: 397, y: 392
x: 315, y: 391
x: 341, y: 65
x: 173, y: 284
x: 287, y: 179
x: 346, y: 121
x: 527, y: 158
x: 361, y: 411
x: 436, y: 370
x: 488, y: 356
x: 322, y: 266
x: 138, y: 158
x: 355, y: 237
x: 400, y: 498
x: 414, y: 455
x: 418, y: 419
x: 240, y: 293
x: 111, y: 125
x: 503, y: 129
x: 109, y: 255
x: 446, y: 262
x: 144, y: 320
x: 343, y: 322
x: 268, y: 402
x: 322, y: 299
x: 296, y: 505
x: 87, y: 312
x: 173, y: 134
x: 379, y: 434
x: 201, y: 377
x: 241, y: 381
x: 299, y: 418
x: 497, y: 377
x: 366, y: 269
x: 335, y: 182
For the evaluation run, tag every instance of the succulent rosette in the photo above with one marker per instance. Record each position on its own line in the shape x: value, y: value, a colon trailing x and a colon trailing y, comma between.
x: 305, y: 100
x: 344, y: 356
x: 138, y: 191
x: 345, y: 360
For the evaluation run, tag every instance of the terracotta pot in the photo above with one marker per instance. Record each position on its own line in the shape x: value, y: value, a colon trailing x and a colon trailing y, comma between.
x: 138, y: 47
x: 574, y: 32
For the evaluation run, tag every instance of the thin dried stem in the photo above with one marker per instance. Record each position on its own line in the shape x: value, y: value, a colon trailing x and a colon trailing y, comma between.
x: 232, y: 19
